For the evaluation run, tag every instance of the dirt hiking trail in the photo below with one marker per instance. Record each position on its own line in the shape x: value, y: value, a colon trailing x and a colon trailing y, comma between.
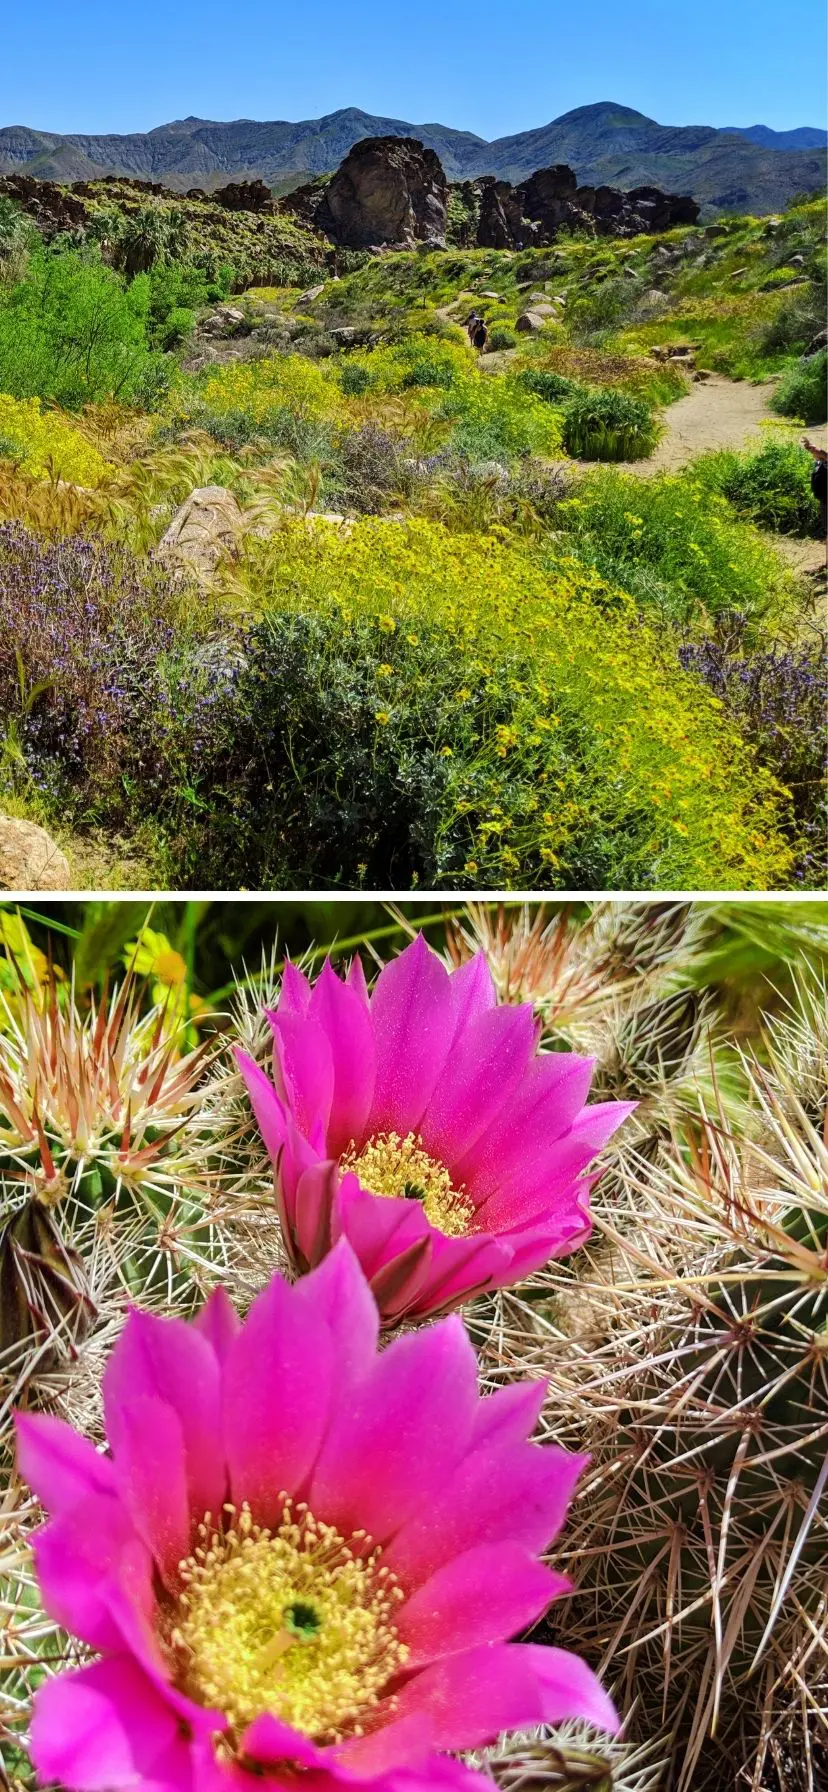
x: 716, y: 413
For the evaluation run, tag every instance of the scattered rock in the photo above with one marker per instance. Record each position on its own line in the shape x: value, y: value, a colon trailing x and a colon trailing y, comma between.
x: 30, y: 858
x: 529, y: 323
x: 652, y: 303
x: 228, y: 320
x: 202, y: 533
x: 307, y: 298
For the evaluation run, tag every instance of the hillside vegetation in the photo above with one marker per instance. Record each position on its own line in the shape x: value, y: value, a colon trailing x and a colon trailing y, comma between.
x: 438, y: 626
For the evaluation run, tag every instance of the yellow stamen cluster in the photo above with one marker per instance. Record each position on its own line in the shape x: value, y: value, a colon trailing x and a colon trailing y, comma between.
x: 296, y: 1621
x: 391, y: 1165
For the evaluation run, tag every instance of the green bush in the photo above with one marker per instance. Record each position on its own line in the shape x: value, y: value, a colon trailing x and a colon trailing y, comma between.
x: 772, y: 488
x: 553, y: 387
x: 71, y: 331
x: 354, y: 379
x: 500, y: 336
x: 676, y: 547
x: 803, y: 390
x: 606, y: 424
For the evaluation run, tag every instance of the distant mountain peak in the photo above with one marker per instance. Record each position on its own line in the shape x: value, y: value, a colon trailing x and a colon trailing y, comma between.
x: 606, y: 143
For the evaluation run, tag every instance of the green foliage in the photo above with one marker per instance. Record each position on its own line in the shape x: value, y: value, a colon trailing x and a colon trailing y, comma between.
x: 546, y: 384
x: 772, y: 488
x: 501, y: 336
x: 676, y: 547
x: 609, y: 425
x: 71, y: 331
x: 803, y: 391
x: 597, y: 762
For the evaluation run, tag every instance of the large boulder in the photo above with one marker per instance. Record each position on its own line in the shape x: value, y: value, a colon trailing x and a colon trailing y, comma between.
x: 202, y: 533
x: 387, y: 190
x: 30, y: 858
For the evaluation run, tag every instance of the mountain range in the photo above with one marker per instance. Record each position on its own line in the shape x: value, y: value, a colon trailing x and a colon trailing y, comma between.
x: 755, y: 169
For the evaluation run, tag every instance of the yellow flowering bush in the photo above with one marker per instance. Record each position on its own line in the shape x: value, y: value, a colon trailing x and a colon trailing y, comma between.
x: 277, y: 382
x: 45, y: 441
x: 599, y: 753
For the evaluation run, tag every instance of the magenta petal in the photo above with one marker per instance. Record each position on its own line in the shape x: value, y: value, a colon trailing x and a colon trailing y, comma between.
x: 391, y: 1746
x: 104, y: 1727
x: 311, y: 1209
x: 550, y: 1101
x: 340, y: 1296
x: 472, y: 992
x: 269, y: 1743
x: 520, y: 1493
x: 377, y: 1228
x: 60, y: 1467
x: 80, y: 1556
x: 488, y: 1061
x: 571, y: 1689
x: 413, y: 1022
x: 294, y: 993
x: 343, y: 1015
x: 391, y: 1449
x: 277, y: 1389
x: 266, y: 1104
x: 218, y: 1322
x: 151, y: 1467
x: 472, y: 1697
x: 168, y: 1360
x: 305, y: 1060
x: 511, y: 1414
x: 487, y: 1595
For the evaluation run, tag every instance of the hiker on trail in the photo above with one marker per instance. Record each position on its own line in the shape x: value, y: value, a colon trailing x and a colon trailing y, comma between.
x: 478, y: 333
x: 819, y: 485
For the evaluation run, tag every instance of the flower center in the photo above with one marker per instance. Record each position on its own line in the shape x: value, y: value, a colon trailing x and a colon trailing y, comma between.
x: 390, y: 1165
x: 296, y: 1621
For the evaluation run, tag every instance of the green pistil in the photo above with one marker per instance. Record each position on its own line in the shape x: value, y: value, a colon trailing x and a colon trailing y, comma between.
x: 302, y: 1620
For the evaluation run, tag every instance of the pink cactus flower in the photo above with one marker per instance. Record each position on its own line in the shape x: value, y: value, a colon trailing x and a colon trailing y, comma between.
x: 421, y: 1123
x: 302, y: 1557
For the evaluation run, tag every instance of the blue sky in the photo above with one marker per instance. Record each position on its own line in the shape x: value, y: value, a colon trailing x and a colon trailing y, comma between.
x: 491, y: 66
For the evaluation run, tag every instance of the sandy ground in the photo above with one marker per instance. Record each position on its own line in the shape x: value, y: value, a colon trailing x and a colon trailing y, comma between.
x: 716, y: 413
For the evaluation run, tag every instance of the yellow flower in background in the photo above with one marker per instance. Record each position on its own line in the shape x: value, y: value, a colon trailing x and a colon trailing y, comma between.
x: 24, y: 969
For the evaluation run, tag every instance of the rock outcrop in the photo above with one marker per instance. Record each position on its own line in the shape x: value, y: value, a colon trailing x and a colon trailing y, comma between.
x: 387, y: 190
x: 202, y: 533
x: 244, y: 196
x: 502, y: 216
x: 30, y: 858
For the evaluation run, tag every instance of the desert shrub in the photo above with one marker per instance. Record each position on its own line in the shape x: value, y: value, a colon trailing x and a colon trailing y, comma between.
x: 595, y: 313
x: 676, y: 547
x: 416, y: 361
x: 91, y: 643
x: 623, y: 771
x: 546, y: 384
x: 772, y: 488
x: 354, y: 379
x: 45, y: 442
x: 18, y: 235
x: 366, y: 470
x: 333, y: 766
x: 501, y: 336
x: 803, y: 390
x: 606, y: 424
x: 71, y: 331
x: 777, y: 696
x: 495, y: 419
